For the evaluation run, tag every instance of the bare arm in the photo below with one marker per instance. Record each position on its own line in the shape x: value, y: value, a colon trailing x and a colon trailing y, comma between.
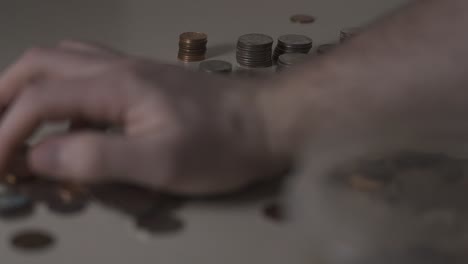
x: 189, y: 133
x: 404, y: 73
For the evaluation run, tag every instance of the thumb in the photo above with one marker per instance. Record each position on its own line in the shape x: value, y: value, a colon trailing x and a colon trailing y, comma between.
x: 82, y: 157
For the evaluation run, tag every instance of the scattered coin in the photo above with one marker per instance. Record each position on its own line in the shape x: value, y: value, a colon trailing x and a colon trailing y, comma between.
x: 215, y: 66
x: 274, y: 212
x: 66, y: 200
x: 348, y: 33
x: 292, y: 43
x: 255, y: 51
x: 14, y: 205
x: 32, y: 240
x: 288, y: 60
x: 159, y: 223
x: 302, y: 19
x: 192, y: 46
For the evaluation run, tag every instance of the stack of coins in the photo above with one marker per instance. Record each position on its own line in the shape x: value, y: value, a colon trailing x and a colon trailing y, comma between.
x: 192, y: 46
x: 254, y: 51
x: 347, y: 33
x: 292, y: 44
x: 288, y: 60
x: 215, y: 66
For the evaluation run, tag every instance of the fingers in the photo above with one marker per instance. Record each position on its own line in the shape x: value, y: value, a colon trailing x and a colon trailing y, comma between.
x: 94, y: 99
x: 83, y: 157
x: 41, y: 63
x: 90, y: 47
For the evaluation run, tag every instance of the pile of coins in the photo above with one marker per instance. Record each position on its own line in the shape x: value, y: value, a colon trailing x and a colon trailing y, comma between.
x: 192, y: 46
x: 292, y: 44
x: 288, y: 60
x: 215, y: 66
x: 21, y: 192
x: 348, y: 33
x: 255, y: 50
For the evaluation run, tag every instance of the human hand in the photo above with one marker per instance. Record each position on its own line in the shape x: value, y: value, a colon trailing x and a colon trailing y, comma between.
x: 182, y: 131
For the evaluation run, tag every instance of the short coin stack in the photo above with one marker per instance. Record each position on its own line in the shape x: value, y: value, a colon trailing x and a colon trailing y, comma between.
x: 192, y: 46
x: 292, y: 43
x: 288, y: 60
x: 254, y: 51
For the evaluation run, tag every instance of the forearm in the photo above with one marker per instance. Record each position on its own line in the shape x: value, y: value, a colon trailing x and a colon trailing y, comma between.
x: 409, y: 62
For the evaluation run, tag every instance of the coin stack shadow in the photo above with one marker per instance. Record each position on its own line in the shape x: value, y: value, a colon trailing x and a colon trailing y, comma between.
x: 255, y: 50
x: 292, y: 43
x: 288, y: 60
x: 192, y: 46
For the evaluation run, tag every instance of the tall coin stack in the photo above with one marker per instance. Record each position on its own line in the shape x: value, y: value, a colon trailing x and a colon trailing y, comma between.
x: 292, y: 44
x: 254, y: 51
x: 192, y: 46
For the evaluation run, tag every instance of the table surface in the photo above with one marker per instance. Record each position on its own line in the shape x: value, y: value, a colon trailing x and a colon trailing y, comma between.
x: 215, y: 232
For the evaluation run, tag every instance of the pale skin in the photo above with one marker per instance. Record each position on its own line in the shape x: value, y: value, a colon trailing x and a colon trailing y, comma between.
x: 190, y: 133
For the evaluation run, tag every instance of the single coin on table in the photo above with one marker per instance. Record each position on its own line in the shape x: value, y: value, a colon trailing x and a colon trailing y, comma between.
x: 68, y: 200
x: 159, y: 222
x: 32, y: 240
x: 215, y: 66
x: 302, y: 19
x: 14, y: 205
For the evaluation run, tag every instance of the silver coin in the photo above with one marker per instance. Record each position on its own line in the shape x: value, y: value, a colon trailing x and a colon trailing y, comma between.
x: 11, y: 202
x: 255, y: 39
x: 294, y: 40
x: 215, y: 66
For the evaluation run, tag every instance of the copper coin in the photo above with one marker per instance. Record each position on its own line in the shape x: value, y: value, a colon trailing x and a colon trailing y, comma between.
x: 302, y: 19
x: 67, y: 201
x: 32, y: 240
x: 193, y: 37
